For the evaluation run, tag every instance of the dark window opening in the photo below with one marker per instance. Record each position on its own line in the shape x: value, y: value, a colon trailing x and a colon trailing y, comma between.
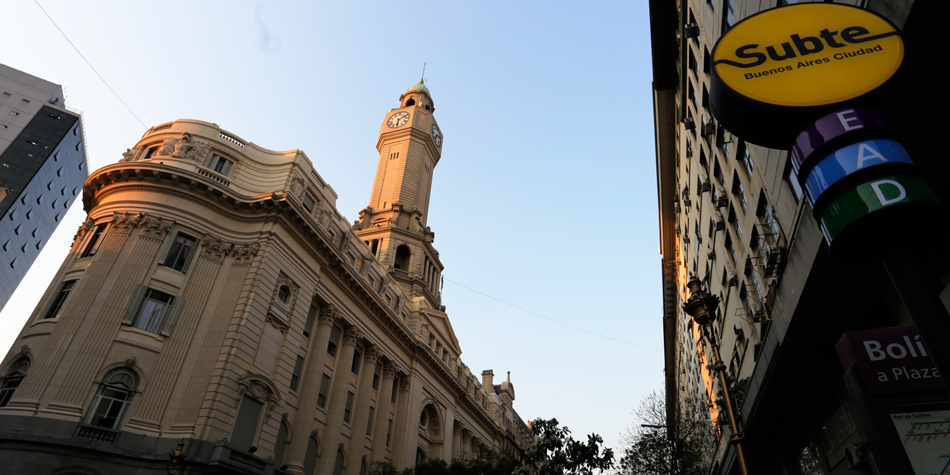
x: 402, y: 258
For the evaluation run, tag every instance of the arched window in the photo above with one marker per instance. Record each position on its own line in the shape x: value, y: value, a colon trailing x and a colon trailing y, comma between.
x: 423, y: 418
x: 410, y: 102
x: 113, y: 398
x: 12, y: 381
x: 310, y: 459
x: 420, y: 456
x: 402, y: 257
x: 283, y: 293
x: 281, y: 443
x: 338, y: 464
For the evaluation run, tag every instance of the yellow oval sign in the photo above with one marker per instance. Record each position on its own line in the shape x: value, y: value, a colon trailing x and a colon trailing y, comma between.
x: 808, y: 54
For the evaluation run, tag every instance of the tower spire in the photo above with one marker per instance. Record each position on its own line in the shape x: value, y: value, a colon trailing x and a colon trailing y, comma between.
x: 423, y: 79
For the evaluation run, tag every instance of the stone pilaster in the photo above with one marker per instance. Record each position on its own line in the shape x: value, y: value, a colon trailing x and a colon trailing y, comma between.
x: 364, y: 389
x: 384, y: 406
x: 331, y: 437
x: 400, y: 433
x: 310, y: 391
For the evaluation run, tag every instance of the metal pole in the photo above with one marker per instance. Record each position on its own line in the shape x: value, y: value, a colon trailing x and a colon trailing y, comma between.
x: 922, y: 302
x: 736, y: 438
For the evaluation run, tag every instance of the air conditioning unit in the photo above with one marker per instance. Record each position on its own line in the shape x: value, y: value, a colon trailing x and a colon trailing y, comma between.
x: 687, y: 202
x: 720, y: 223
x: 703, y: 182
x: 740, y: 335
x: 709, y: 127
x: 691, y: 30
x: 678, y: 229
x: 722, y: 200
x: 689, y: 124
x: 711, y: 254
x: 686, y: 239
x: 733, y: 279
x: 676, y: 207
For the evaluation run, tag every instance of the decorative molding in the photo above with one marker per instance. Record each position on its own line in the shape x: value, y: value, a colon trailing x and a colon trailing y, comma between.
x: 25, y: 352
x: 129, y: 154
x: 405, y: 383
x: 245, y: 251
x: 371, y: 355
x: 297, y: 186
x: 214, y: 247
x: 257, y: 388
x: 85, y: 227
x: 124, y: 222
x: 277, y: 322
x: 282, y: 280
x: 156, y: 227
x: 130, y: 361
x: 352, y: 336
x: 389, y: 371
x: 328, y: 315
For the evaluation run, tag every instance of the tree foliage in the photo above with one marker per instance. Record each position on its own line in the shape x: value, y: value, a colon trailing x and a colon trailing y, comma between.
x: 555, y: 452
x: 689, y: 450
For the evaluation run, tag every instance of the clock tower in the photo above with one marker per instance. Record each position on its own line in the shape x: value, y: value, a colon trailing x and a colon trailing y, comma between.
x: 394, y: 224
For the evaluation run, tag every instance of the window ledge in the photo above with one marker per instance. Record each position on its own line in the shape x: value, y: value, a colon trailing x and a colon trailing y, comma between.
x: 140, y: 338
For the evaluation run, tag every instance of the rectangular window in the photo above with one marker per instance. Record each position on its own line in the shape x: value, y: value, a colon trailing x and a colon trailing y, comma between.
x: 369, y: 423
x: 376, y: 377
x: 357, y: 358
x: 392, y: 398
x: 245, y: 427
x: 179, y: 252
x: 334, y: 341
x: 746, y: 158
x: 57, y: 305
x: 735, y: 222
x: 311, y: 316
x: 308, y: 202
x: 153, y: 310
x: 348, y: 409
x: 739, y: 191
x: 295, y: 377
x: 792, y: 178
x: 149, y: 152
x: 220, y: 164
x: 727, y: 15
x: 324, y: 390
x: 92, y: 245
x: 389, y: 432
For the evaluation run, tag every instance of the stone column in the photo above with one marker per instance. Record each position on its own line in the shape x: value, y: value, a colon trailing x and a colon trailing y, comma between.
x: 383, y: 408
x: 457, y: 443
x: 331, y: 437
x: 309, y: 391
x: 364, y: 389
x: 467, y: 447
x: 400, y: 433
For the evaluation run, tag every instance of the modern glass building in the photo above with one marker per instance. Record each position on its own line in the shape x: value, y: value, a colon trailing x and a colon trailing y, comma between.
x: 42, y: 167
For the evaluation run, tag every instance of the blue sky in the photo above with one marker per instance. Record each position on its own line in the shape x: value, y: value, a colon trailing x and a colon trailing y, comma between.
x: 545, y: 196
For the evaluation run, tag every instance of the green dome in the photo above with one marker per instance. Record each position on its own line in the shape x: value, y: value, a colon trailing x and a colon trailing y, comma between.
x: 419, y: 86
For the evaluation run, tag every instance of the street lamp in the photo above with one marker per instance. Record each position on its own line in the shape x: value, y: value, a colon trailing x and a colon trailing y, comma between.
x: 701, y: 305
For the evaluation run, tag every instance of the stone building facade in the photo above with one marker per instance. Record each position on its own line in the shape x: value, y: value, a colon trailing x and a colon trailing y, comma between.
x: 216, y: 298
x: 734, y: 214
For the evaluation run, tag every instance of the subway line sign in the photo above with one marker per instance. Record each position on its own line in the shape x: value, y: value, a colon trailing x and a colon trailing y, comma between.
x: 775, y: 70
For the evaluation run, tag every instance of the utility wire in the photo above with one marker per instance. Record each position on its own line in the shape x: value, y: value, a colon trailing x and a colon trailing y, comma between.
x: 551, y: 319
x: 90, y: 64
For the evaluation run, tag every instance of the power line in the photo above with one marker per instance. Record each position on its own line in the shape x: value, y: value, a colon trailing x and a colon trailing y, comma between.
x: 89, y: 64
x: 551, y: 319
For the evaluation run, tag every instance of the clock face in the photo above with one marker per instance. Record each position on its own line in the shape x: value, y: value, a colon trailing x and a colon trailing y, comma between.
x: 398, y: 120
x: 436, y: 135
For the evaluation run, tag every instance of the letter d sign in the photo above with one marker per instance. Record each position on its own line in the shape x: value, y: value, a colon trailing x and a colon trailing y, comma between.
x: 879, y: 190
